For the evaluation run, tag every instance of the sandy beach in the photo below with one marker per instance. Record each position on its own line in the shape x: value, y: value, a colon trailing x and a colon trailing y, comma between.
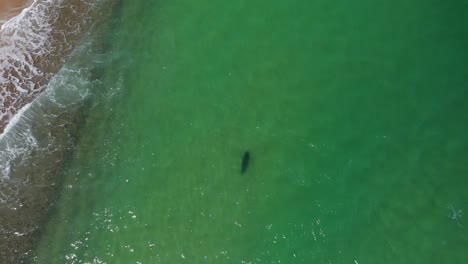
x: 11, y: 8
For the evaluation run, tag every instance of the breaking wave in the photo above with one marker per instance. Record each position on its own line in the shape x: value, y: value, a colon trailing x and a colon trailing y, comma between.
x: 34, y: 46
x: 39, y: 127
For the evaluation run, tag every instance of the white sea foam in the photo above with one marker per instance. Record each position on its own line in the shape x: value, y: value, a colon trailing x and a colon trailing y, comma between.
x: 33, y: 47
x: 24, y: 39
x: 28, y: 46
x: 19, y: 141
x: 26, y: 43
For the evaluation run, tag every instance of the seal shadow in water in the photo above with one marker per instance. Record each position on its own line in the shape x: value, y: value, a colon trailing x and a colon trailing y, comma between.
x: 245, y: 162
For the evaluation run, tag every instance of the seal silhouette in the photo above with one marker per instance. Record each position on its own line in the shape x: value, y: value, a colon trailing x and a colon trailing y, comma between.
x: 245, y: 162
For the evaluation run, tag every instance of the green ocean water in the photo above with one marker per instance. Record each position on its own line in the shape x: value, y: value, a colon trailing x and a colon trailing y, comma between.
x: 354, y: 115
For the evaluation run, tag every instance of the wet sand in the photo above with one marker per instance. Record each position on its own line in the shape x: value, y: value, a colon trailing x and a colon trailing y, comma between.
x: 11, y: 8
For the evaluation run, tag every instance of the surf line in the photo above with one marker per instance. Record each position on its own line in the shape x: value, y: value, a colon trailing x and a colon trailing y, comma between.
x: 34, y: 46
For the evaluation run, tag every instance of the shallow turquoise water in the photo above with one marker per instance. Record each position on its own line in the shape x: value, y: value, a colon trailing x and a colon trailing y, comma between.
x: 354, y: 115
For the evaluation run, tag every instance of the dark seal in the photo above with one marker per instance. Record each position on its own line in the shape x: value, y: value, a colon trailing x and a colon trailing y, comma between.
x: 245, y: 162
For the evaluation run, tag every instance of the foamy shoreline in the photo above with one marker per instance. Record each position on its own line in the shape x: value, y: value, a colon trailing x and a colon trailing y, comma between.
x: 8, y: 10
x: 34, y: 46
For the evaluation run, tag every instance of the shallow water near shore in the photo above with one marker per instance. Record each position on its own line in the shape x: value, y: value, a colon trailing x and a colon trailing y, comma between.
x: 354, y: 116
